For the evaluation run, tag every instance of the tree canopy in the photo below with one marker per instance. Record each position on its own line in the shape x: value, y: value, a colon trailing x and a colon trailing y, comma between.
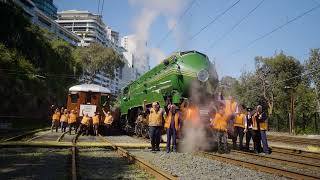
x: 97, y: 58
x: 273, y: 82
x: 37, y: 68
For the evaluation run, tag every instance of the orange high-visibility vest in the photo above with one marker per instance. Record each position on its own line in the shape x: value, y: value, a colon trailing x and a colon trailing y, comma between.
x: 192, y: 114
x: 168, y: 121
x: 85, y: 120
x: 64, y: 118
x: 220, y: 122
x: 56, y: 116
x: 230, y: 107
x: 108, y: 119
x: 239, y: 120
x: 263, y: 125
x: 95, y: 119
x: 155, y: 118
x: 72, y: 118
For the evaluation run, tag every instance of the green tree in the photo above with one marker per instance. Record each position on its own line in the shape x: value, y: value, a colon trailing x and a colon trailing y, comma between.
x: 276, y: 73
x: 313, y: 67
x: 36, y: 67
x: 97, y: 58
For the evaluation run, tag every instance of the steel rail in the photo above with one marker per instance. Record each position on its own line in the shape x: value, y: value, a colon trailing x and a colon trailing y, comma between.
x: 61, y: 136
x: 36, y: 137
x: 257, y: 166
x: 158, y: 173
x: 74, y: 151
x: 20, y: 136
x: 296, y: 152
x: 279, y: 160
x: 298, y: 140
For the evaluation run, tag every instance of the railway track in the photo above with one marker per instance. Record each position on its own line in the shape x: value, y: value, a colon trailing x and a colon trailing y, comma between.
x: 24, y: 134
x: 264, y: 164
x: 294, y: 140
x: 158, y: 173
x: 297, y: 153
x: 80, y: 146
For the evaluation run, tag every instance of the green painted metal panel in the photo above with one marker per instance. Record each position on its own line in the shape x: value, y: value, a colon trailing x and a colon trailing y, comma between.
x: 167, y: 79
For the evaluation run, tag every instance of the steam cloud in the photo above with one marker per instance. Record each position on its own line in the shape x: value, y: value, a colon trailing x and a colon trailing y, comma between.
x: 196, y: 131
x: 150, y: 10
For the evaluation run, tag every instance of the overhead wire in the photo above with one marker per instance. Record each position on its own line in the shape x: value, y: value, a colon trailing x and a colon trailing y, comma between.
x: 214, y: 43
x: 278, y: 28
x: 177, y: 23
x: 213, y: 20
x: 210, y: 23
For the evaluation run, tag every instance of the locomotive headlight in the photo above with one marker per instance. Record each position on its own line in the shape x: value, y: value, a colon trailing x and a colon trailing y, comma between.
x: 203, y: 75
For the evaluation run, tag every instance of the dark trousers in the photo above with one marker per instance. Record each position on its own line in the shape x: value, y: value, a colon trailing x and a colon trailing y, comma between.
x: 155, y: 136
x: 95, y: 129
x: 74, y: 125
x: 83, y: 129
x: 171, y: 133
x: 107, y: 129
x: 222, y: 139
x: 64, y: 126
x: 257, y: 141
x: 55, y: 124
x: 264, y: 141
x: 249, y: 136
x: 238, y: 131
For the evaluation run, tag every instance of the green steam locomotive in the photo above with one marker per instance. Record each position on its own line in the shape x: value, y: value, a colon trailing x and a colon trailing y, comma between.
x: 187, y: 74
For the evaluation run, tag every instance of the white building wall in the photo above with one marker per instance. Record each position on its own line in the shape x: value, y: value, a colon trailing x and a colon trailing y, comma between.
x: 39, y: 18
x: 91, y: 28
x: 139, y: 61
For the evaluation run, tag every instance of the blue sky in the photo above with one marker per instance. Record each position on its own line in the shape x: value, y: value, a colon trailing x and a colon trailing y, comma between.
x: 295, y: 39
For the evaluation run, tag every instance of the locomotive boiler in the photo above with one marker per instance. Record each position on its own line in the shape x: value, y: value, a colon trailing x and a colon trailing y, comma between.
x: 183, y: 75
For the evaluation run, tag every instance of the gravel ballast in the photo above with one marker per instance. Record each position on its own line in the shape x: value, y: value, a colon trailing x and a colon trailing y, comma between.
x: 99, y: 163
x: 190, y: 166
x: 34, y: 163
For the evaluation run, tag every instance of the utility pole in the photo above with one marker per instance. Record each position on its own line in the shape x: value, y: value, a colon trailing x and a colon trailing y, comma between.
x: 317, y: 113
x: 291, y: 114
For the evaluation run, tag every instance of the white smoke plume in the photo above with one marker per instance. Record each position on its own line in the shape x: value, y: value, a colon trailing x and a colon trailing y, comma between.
x: 197, y: 133
x: 150, y: 10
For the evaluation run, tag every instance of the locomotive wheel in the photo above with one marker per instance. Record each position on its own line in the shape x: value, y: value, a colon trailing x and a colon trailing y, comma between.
x: 138, y: 129
x: 145, y: 131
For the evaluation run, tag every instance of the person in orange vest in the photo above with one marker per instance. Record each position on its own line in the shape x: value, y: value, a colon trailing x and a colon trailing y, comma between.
x: 95, y: 122
x: 64, y: 120
x: 107, y: 121
x: 239, y: 125
x: 172, y: 125
x: 156, y: 115
x: 72, y: 121
x: 191, y: 116
x: 260, y: 126
x: 84, y: 125
x: 55, y: 120
x: 230, y: 111
x: 219, y: 126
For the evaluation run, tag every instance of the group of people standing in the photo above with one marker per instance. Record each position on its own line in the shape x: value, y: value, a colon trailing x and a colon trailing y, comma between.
x: 174, y: 117
x: 229, y: 121
x: 236, y: 122
x: 63, y: 118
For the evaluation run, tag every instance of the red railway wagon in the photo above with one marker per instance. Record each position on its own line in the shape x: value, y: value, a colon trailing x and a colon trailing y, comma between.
x: 88, y: 98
